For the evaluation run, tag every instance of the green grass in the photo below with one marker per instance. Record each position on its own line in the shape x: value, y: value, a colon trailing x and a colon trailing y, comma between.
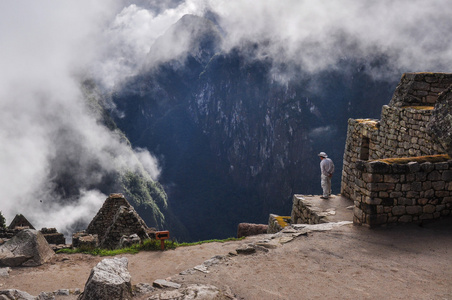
x: 147, y: 245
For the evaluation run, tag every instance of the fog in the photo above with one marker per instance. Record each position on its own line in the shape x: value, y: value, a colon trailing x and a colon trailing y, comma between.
x: 48, y: 48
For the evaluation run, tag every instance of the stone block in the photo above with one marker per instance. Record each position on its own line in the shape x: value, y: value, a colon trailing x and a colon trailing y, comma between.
x: 398, y: 210
x: 395, y: 194
x: 416, y: 186
x: 427, y: 167
x: 413, y: 167
x: 392, y: 219
x: 426, y: 185
x: 433, y: 201
x: 392, y: 178
x: 388, y: 201
x: 434, y: 176
x: 412, y: 194
x: 429, y: 193
x: 414, y: 210
x: 426, y: 217
x: 440, y: 207
x: 372, y: 201
x: 405, y: 219
x: 383, y: 194
x: 421, y: 176
x: 406, y: 201
x: 410, y: 177
x: 406, y: 187
x: 438, y: 185
x: 429, y: 209
x: 447, y: 176
x: 442, y: 194
x: 399, y: 168
x: 378, y: 167
x: 447, y: 200
x: 442, y: 165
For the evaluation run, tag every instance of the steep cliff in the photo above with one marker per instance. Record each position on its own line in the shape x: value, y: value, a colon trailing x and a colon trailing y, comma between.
x: 234, y: 137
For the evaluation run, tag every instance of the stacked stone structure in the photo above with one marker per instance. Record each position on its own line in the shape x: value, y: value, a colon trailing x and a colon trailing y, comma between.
x: 277, y: 223
x: 53, y: 236
x: 403, y: 190
x: 20, y: 222
x: 303, y: 212
x: 115, y: 219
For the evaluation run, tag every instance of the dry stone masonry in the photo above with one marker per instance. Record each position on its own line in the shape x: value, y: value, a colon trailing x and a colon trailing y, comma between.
x: 395, y: 169
x: 303, y: 212
x: 115, y: 219
x: 277, y: 223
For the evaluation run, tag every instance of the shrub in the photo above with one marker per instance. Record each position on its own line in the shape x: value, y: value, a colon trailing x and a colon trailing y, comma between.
x: 2, y: 221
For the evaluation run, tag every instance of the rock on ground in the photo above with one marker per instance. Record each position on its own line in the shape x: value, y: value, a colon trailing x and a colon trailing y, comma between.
x: 28, y: 248
x: 15, y: 295
x: 248, y: 229
x: 109, y: 279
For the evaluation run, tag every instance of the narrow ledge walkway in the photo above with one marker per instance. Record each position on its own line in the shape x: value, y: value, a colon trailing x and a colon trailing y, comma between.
x: 311, y: 209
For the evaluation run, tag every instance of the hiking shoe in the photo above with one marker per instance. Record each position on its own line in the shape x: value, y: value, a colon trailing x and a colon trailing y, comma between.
x: 321, y: 197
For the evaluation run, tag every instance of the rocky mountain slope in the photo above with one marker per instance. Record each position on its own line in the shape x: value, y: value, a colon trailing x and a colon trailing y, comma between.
x: 236, y: 135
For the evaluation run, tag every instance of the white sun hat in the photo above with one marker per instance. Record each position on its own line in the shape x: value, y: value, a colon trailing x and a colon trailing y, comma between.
x: 322, y: 154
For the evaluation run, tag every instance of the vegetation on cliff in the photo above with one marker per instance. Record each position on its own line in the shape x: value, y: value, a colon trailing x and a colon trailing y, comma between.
x: 2, y: 221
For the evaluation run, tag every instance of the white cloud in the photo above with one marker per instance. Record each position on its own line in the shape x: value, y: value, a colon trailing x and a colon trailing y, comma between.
x: 46, y: 45
x: 45, y: 129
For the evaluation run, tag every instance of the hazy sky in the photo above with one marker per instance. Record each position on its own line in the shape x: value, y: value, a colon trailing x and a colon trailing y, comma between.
x: 46, y: 47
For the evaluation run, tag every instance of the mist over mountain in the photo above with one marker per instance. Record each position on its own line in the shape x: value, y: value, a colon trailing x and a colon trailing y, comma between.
x: 235, y: 142
x: 225, y: 103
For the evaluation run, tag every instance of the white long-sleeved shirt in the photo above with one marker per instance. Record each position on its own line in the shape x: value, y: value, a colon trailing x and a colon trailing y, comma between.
x: 327, y: 167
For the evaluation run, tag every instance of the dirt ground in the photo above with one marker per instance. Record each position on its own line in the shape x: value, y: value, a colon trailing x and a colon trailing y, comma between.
x: 351, y: 262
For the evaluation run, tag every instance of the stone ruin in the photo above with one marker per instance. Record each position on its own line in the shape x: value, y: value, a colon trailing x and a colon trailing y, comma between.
x: 20, y: 223
x: 398, y: 169
x: 115, y: 222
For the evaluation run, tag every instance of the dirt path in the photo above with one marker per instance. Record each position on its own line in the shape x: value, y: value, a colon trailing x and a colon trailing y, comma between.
x: 405, y: 262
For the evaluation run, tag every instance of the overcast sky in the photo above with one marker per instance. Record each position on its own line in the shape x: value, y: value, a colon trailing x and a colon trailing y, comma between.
x: 47, y: 46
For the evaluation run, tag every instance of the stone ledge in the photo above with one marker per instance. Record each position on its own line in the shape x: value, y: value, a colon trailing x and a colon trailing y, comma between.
x: 314, y: 210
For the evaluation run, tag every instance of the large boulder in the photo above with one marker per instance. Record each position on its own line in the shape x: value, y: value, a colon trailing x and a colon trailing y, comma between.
x: 109, y: 279
x: 440, y: 125
x: 249, y: 229
x: 28, y: 248
x: 12, y: 294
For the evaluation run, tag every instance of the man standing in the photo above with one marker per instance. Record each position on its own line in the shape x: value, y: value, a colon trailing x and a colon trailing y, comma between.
x: 327, y: 170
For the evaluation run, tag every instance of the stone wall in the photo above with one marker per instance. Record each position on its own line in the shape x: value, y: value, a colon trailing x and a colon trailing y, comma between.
x: 53, y: 236
x: 403, y: 192
x: 125, y: 223
x: 277, y: 223
x: 398, y: 192
x: 104, y: 217
x: 402, y: 130
x: 313, y: 210
x: 115, y: 219
x: 304, y: 213
x: 420, y: 89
